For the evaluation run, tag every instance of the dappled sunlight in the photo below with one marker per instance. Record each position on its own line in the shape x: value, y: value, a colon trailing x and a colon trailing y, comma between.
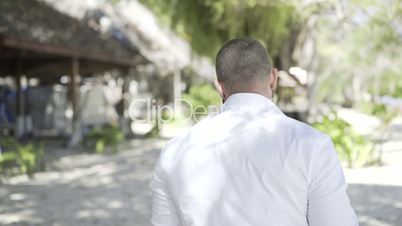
x: 385, y: 175
x: 102, y: 191
x: 93, y: 213
x: 376, y: 205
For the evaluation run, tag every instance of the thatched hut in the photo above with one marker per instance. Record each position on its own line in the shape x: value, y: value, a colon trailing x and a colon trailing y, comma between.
x: 36, y: 40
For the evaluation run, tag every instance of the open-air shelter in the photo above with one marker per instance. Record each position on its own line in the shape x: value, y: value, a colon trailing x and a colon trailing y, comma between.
x: 39, y: 41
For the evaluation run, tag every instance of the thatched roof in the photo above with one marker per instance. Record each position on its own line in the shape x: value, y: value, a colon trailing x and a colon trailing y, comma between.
x: 170, y: 51
x: 36, y: 27
x: 140, y: 26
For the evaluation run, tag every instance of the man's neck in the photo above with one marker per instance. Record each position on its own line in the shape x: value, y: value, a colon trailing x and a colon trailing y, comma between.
x: 267, y: 93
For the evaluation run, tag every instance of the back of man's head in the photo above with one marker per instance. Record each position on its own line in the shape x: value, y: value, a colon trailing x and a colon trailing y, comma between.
x: 243, y: 64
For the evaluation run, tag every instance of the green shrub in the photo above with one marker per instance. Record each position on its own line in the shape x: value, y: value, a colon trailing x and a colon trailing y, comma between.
x: 352, y: 148
x: 398, y: 92
x: 379, y: 110
x: 101, y: 137
x: 20, y: 158
x: 202, y: 95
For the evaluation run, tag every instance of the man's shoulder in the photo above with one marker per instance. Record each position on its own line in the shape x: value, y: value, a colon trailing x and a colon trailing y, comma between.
x: 179, y: 144
x: 209, y: 129
x: 301, y: 130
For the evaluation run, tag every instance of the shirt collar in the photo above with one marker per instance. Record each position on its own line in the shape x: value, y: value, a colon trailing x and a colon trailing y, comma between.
x: 250, y: 102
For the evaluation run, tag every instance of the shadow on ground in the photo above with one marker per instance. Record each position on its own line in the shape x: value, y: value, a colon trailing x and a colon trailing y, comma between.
x: 86, y: 190
x: 377, y: 205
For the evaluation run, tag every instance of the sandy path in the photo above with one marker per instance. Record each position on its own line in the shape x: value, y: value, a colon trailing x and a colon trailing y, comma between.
x: 376, y: 192
x: 85, y: 189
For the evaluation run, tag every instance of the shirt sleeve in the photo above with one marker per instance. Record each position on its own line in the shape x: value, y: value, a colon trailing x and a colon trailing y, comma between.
x: 164, y: 212
x: 328, y: 202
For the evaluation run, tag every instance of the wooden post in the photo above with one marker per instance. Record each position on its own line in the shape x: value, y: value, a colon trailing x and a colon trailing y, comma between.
x: 124, y: 91
x: 73, y: 99
x: 74, y: 87
x: 121, y: 107
x: 20, y: 117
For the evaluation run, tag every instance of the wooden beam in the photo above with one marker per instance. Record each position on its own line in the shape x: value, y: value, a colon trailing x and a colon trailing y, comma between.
x: 59, y: 67
x: 12, y: 42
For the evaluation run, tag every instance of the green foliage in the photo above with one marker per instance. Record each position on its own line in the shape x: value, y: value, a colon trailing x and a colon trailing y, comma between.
x: 397, y: 93
x: 101, y: 137
x: 201, y: 97
x: 353, y: 149
x: 378, y: 110
x: 24, y: 158
x: 207, y: 24
x: 365, y: 50
x: 385, y: 114
x: 154, y: 132
x: 204, y: 95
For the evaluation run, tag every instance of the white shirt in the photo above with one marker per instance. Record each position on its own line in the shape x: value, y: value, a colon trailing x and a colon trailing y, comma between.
x: 250, y: 166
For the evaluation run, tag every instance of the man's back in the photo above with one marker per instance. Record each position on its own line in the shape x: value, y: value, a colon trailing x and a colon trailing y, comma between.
x: 250, y: 166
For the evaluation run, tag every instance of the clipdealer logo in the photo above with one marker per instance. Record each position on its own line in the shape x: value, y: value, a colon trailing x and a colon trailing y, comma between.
x: 148, y: 110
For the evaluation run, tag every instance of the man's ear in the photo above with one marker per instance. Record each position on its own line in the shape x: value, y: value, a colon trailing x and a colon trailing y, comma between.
x: 273, y: 81
x: 219, y: 88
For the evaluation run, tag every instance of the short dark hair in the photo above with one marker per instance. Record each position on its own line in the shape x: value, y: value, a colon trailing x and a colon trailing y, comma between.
x: 242, y: 61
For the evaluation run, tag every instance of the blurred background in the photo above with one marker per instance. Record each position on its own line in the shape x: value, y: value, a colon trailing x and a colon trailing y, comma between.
x: 83, y: 82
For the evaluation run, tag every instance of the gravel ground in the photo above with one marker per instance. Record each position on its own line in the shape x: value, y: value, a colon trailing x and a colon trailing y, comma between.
x: 85, y: 189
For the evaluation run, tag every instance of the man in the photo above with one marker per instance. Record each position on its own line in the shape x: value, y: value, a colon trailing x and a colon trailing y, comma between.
x: 250, y: 165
